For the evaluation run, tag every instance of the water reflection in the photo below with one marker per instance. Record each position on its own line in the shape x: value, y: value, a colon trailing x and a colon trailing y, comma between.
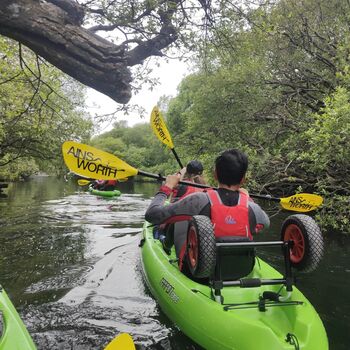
x: 70, y: 262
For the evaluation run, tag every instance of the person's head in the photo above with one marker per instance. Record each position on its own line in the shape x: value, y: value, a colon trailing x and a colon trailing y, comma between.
x: 194, y: 167
x: 231, y: 167
x: 194, y: 171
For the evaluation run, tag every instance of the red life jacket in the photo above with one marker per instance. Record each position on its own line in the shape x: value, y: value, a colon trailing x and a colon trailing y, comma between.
x: 190, y: 190
x: 230, y: 221
x: 111, y: 182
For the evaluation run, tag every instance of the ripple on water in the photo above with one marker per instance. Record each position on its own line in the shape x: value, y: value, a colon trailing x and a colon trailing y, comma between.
x: 71, y: 264
x: 87, y: 326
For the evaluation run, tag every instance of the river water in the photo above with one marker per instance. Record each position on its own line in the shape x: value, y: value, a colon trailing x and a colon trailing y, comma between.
x: 70, y: 263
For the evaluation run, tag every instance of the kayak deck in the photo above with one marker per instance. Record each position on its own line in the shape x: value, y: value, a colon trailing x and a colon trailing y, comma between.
x: 14, y: 333
x: 240, y: 322
x: 114, y: 193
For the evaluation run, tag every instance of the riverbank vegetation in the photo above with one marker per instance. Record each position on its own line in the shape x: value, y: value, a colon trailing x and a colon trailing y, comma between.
x: 279, y: 89
x: 40, y: 108
x: 272, y: 79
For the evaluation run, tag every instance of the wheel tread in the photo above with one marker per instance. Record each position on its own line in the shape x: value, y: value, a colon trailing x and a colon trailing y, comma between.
x: 314, y: 238
x: 207, y: 247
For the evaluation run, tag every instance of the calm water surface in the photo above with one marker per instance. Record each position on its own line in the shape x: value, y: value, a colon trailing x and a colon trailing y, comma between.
x: 70, y: 262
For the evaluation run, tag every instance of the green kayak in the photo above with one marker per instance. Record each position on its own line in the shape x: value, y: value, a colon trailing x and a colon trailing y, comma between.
x: 14, y: 334
x: 260, y: 310
x: 114, y: 193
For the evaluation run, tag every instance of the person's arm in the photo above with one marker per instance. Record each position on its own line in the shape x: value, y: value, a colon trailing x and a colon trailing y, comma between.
x: 199, y: 179
x: 243, y: 190
x: 158, y: 213
x: 258, y: 219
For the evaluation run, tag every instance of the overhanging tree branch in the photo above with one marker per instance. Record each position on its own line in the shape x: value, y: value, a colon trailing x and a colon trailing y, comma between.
x: 53, y: 33
x: 53, y: 30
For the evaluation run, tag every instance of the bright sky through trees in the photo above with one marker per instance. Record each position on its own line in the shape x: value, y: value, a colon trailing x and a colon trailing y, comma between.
x: 170, y: 75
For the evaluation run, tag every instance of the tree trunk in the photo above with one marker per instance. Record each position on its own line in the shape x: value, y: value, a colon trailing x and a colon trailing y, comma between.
x: 52, y: 29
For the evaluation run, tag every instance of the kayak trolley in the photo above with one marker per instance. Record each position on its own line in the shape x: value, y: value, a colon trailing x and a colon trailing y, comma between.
x: 229, y: 261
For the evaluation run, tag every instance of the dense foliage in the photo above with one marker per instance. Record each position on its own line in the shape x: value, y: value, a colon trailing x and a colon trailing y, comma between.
x: 137, y: 146
x: 273, y: 79
x: 39, y: 109
x: 278, y: 89
x: 274, y: 82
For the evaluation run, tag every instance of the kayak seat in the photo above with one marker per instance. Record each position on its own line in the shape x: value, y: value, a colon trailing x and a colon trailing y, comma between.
x: 233, y: 263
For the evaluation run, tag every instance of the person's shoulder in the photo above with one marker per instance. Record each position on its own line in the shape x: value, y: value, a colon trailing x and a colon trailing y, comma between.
x: 259, y: 213
x: 254, y: 206
x: 197, y: 196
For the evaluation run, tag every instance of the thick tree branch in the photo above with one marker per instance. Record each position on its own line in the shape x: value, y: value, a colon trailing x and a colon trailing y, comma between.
x: 51, y: 32
x: 52, y: 29
x: 153, y: 46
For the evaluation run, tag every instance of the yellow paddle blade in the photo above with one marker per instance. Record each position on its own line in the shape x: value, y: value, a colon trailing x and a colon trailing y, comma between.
x: 302, y: 202
x: 159, y: 128
x: 82, y: 182
x: 90, y: 162
x: 121, y: 342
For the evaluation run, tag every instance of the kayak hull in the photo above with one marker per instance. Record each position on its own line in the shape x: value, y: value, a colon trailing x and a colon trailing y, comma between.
x: 109, y: 194
x: 14, y: 334
x: 191, y: 307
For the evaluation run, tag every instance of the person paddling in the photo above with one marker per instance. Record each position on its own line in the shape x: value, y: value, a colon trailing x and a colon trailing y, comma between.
x: 231, y: 210
x: 105, y: 185
x: 192, y: 173
x: 175, y: 233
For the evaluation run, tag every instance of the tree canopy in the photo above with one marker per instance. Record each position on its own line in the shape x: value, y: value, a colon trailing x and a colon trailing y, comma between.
x: 39, y: 109
x: 277, y: 88
x: 273, y: 82
x: 272, y: 78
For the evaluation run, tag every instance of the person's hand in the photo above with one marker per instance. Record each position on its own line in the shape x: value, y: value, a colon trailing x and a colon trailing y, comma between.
x: 172, y: 181
x: 199, y: 179
x: 243, y: 190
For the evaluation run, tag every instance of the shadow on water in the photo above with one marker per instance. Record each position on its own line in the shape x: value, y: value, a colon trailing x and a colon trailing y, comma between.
x: 71, y: 264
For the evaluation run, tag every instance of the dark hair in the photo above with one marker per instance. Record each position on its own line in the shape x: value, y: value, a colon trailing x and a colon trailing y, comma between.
x: 194, y: 167
x: 231, y: 166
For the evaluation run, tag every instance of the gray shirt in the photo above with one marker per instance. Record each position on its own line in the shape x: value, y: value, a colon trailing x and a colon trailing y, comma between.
x: 199, y: 204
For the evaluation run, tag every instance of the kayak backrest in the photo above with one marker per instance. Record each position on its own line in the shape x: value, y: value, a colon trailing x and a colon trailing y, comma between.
x: 233, y: 263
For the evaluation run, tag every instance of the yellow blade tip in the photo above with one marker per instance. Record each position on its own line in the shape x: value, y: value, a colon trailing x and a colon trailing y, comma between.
x: 123, y: 341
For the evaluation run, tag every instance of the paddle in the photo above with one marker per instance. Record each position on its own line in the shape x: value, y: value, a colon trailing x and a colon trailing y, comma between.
x: 300, y: 202
x: 122, y: 341
x: 82, y: 182
x: 161, y: 131
x: 90, y: 162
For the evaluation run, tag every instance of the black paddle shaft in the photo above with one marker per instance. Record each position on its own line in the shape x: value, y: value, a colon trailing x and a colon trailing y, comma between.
x: 162, y: 178
x: 193, y: 184
x: 177, y: 157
